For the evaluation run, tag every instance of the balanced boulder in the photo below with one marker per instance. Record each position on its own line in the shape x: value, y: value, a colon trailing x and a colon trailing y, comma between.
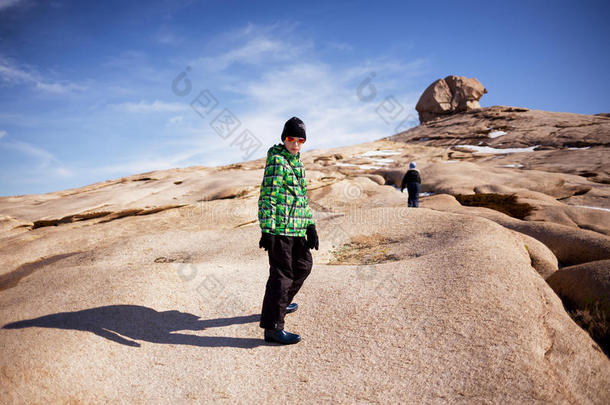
x: 449, y: 95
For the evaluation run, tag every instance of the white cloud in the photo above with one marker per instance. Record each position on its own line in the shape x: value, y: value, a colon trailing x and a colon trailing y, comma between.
x: 177, y: 120
x: 59, y: 88
x: 47, y: 162
x: 126, y: 59
x: 255, y: 51
x: 2, y: 133
x: 63, y: 172
x: 286, y: 79
x: 135, y: 66
x: 326, y: 99
x: 4, y: 4
x: 11, y: 74
x: 14, y: 75
x: 169, y: 39
x: 146, y: 107
x: 166, y: 36
x: 254, y: 45
x: 44, y: 156
x: 324, y: 95
x: 151, y: 162
x: 296, y: 80
x: 339, y: 46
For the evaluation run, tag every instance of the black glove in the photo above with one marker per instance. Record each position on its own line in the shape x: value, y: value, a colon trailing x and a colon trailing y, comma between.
x: 312, y: 237
x: 266, y: 241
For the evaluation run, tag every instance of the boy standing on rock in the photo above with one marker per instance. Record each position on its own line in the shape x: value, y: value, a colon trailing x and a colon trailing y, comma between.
x: 285, y: 219
x: 413, y: 182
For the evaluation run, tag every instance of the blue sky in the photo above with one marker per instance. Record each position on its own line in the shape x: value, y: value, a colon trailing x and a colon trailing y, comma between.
x: 91, y: 90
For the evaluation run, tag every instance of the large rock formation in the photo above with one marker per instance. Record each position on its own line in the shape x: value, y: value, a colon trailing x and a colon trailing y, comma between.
x: 563, y: 142
x: 425, y: 306
x: 148, y: 288
x: 449, y: 95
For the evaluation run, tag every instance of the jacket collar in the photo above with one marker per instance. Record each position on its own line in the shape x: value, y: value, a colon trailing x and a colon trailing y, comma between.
x: 281, y: 149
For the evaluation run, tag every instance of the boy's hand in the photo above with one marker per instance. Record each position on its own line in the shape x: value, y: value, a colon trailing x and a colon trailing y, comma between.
x: 312, y: 237
x: 266, y: 241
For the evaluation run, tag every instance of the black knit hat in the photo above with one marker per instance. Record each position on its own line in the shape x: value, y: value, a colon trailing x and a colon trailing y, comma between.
x: 294, y: 127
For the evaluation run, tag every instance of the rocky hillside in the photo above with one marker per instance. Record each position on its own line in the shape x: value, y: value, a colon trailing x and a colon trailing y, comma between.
x: 565, y: 142
x: 148, y: 288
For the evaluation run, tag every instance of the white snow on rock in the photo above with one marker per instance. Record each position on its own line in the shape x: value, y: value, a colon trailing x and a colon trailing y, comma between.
x: 380, y: 153
x: 495, y: 134
x: 487, y: 149
x: 363, y: 167
x: 424, y: 194
x: 593, y: 208
x: 517, y: 165
x: 584, y: 148
x: 383, y: 161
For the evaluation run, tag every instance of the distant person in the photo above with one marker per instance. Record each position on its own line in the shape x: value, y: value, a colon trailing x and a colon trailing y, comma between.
x: 285, y: 219
x: 413, y: 182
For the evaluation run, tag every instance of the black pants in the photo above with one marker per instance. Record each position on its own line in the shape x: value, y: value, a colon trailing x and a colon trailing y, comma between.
x: 290, y: 263
x: 413, y: 189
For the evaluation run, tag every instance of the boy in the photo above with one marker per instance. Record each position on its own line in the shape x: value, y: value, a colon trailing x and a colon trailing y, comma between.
x: 285, y: 219
x: 412, y: 180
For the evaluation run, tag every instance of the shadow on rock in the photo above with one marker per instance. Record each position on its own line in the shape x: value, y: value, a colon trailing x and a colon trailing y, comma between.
x: 120, y: 322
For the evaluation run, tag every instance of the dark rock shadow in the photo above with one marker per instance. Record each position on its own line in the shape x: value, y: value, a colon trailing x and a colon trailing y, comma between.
x: 120, y: 323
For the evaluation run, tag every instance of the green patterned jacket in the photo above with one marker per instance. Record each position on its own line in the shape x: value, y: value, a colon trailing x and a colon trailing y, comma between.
x: 283, y: 207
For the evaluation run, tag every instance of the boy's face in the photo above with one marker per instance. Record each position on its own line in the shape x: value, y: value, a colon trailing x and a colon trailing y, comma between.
x: 293, y: 144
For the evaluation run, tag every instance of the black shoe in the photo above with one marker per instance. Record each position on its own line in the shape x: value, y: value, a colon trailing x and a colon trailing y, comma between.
x: 292, y: 307
x: 281, y: 337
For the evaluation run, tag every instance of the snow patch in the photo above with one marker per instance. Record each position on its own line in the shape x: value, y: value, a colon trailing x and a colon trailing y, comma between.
x: 363, y: 167
x: 593, y: 208
x: 495, y: 134
x: 584, y: 148
x: 487, y: 149
x: 383, y: 161
x: 517, y: 165
x: 380, y: 153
